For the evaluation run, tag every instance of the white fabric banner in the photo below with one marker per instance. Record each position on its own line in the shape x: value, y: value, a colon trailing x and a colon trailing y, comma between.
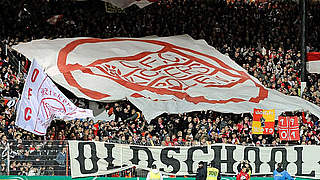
x: 99, y: 158
x: 126, y: 3
x: 169, y: 74
x: 41, y: 101
x: 313, y: 62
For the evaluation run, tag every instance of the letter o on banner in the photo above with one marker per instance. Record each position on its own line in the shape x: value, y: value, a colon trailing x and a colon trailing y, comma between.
x: 34, y: 75
x: 284, y: 135
x: 27, y: 111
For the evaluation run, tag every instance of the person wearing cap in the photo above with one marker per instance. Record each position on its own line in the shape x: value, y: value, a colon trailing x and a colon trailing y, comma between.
x: 213, y: 173
x: 243, y: 175
x: 281, y: 174
x: 154, y: 174
x: 201, y: 171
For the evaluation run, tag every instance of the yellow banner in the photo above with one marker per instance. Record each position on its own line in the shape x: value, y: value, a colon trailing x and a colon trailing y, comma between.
x: 263, y: 121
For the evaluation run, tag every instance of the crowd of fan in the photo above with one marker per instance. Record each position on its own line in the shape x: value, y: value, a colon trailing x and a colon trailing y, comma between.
x: 261, y: 37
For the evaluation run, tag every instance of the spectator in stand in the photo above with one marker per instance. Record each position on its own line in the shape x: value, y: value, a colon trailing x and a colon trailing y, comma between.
x: 281, y: 174
x: 243, y: 175
x: 201, y: 171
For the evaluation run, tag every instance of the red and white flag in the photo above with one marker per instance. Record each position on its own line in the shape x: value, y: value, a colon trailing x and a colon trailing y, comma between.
x: 54, y: 19
x: 169, y: 74
x: 41, y: 101
x: 288, y: 128
x: 126, y: 3
x: 313, y: 62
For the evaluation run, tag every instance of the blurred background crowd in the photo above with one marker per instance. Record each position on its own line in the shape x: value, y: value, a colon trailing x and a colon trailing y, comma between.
x: 262, y: 37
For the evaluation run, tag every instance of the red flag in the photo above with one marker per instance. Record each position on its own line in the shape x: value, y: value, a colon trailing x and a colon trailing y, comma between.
x: 288, y: 128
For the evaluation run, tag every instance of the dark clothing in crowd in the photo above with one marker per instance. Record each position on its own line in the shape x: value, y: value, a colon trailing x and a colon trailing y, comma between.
x: 201, y: 174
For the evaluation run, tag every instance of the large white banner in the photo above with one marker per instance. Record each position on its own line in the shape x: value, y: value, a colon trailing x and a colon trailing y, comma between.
x: 98, y: 158
x: 169, y: 74
x: 41, y: 101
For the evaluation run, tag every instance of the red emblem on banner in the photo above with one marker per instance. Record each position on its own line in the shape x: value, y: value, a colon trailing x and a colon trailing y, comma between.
x: 170, y: 70
x: 288, y: 128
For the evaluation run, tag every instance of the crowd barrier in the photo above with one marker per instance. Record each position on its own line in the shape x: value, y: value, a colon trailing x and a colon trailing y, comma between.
x: 32, y: 158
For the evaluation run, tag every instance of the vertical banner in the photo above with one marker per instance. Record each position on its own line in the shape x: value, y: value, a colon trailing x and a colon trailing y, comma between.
x: 41, y: 101
x: 288, y: 128
x: 263, y: 121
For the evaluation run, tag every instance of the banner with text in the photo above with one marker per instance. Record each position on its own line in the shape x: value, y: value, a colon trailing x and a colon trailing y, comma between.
x: 263, y: 121
x: 98, y: 158
x: 41, y: 101
x: 12, y: 177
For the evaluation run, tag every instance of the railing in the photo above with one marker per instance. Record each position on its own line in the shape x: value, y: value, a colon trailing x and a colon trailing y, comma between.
x: 34, y: 158
x: 43, y: 158
x: 15, y: 58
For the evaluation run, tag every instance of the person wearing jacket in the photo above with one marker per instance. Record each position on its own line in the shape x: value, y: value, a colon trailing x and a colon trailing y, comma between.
x: 281, y: 174
x: 243, y: 175
x: 213, y: 173
x: 247, y: 165
x: 201, y: 171
x: 154, y: 174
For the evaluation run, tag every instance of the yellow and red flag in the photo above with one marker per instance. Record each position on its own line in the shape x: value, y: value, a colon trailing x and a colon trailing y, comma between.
x: 263, y: 121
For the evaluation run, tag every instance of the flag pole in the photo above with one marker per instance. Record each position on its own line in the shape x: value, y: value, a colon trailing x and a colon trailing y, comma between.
x: 303, y: 39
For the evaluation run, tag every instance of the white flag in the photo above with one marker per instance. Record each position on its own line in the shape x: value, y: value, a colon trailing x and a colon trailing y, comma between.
x: 54, y: 19
x: 41, y: 101
x: 313, y: 62
x: 126, y: 3
x: 168, y: 74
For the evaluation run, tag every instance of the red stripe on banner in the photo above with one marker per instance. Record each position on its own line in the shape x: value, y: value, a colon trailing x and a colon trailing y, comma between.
x: 313, y: 56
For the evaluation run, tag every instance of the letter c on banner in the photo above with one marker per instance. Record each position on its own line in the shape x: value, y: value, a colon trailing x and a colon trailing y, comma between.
x: 27, y: 111
x: 34, y: 75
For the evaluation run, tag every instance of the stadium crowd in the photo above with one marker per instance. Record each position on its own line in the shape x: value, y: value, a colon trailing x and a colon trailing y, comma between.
x: 262, y: 37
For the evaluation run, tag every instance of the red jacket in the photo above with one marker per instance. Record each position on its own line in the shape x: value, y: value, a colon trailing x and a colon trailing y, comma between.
x: 243, y: 176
